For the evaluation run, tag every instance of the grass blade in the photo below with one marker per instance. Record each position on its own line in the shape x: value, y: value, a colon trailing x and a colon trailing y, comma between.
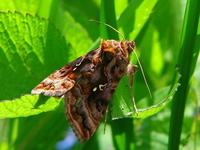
x: 108, y: 16
x: 185, y: 65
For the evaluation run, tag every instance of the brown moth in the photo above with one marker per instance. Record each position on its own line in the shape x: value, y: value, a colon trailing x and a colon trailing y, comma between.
x: 88, y: 83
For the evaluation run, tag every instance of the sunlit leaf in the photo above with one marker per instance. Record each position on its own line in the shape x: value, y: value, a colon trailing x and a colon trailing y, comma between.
x: 135, y: 16
x: 27, y: 105
x: 123, y: 108
x: 24, y: 6
x: 30, y: 49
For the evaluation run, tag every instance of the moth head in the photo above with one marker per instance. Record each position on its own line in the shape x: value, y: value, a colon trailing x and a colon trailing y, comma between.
x: 130, y: 46
x: 119, y: 49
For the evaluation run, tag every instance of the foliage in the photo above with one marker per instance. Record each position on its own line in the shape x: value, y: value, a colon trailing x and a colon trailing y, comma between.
x: 39, y: 36
x: 187, y: 49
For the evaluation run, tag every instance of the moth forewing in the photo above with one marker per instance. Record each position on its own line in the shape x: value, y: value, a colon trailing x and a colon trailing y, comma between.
x: 88, y: 85
x: 57, y: 83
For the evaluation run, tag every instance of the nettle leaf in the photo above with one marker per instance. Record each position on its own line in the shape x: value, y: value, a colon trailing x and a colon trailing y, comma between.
x: 27, y: 105
x: 123, y: 108
x: 24, y: 6
x: 30, y: 49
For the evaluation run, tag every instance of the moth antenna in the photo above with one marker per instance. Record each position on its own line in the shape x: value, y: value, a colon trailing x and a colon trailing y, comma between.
x: 108, y: 26
x: 143, y: 75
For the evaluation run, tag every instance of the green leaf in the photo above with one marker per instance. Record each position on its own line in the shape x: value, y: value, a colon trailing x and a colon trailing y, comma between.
x: 24, y: 6
x: 27, y: 105
x: 81, y: 42
x: 108, y: 16
x: 30, y: 49
x: 41, y: 131
x: 135, y: 16
x: 82, y: 12
x: 68, y: 26
x: 186, y: 63
x: 123, y: 108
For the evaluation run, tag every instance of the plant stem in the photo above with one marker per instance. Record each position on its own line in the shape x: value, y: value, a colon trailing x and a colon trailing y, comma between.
x: 185, y: 63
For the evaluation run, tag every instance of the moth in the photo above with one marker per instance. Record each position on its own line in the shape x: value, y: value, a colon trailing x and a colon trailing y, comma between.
x: 87, y: 84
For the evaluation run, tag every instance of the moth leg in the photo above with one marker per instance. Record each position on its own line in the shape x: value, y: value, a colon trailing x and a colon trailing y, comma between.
x: 106, y: 116
x: 131, y: 69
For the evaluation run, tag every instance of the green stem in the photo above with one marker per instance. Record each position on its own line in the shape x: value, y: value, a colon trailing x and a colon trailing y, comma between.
x: 185, y: 63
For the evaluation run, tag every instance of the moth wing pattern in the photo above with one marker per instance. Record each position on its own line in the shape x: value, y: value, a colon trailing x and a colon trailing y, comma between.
x: 56, y: 84
x: 84, y: 112
x: 60, y: 81
x: 82, y: 100
x: 100, y: 73
x: 88, y: 84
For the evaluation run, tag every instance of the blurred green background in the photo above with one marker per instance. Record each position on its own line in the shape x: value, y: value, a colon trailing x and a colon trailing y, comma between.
x: 39, y: 36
